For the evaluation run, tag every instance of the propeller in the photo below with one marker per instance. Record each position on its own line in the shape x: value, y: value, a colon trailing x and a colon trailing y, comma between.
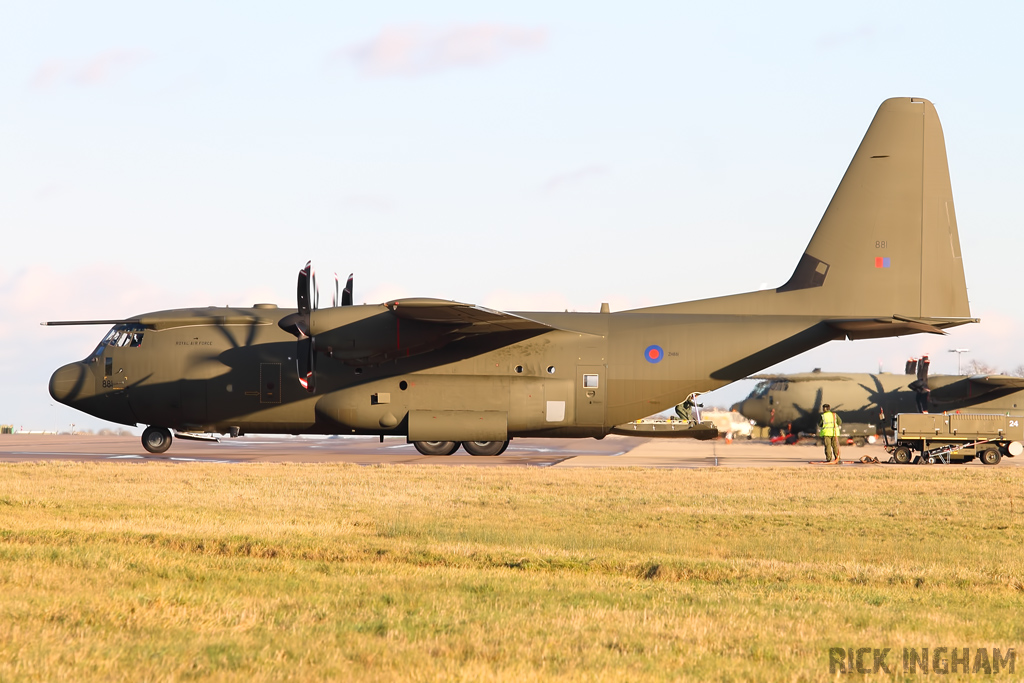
x: 346, y: 295
x: 307, y: 297
x: 345, y: 299
x: 298, y: 324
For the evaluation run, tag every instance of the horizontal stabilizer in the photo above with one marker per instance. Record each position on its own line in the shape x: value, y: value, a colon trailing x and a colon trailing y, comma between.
x: 896, y: 326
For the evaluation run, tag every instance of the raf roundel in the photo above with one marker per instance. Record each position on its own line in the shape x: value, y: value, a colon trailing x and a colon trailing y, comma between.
x: 654, y: 353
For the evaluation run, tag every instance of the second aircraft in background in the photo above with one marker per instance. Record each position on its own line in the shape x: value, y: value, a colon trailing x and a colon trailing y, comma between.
x: 781, y: 400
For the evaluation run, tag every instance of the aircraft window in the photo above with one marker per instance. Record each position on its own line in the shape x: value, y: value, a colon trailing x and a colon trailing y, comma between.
x: 122, y: 335
x: 760, y: 390
x: 551, y: 369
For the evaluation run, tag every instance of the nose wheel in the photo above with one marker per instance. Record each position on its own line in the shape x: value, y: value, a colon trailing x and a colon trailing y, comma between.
x: 156, y: 439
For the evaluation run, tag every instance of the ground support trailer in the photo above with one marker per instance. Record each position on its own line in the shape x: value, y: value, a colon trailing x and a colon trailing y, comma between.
x: 956, y: 437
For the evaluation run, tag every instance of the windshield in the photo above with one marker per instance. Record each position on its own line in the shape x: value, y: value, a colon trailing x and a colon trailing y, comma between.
x: 122, y: 335
x: 763, y: 387
x: 761, y: 390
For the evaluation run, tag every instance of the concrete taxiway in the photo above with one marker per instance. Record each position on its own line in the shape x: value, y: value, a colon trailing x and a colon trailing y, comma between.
x: 612, y: 451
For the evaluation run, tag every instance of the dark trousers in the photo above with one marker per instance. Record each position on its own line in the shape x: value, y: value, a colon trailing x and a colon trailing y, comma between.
x: 831, y: 447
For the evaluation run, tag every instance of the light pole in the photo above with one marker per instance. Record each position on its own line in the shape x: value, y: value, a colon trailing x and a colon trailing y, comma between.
x: 54, y: 418
x: 959, y: 353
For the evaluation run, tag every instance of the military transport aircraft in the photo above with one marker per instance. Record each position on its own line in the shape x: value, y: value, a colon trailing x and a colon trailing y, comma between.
x: 781, y: 400
x: 884, y: 261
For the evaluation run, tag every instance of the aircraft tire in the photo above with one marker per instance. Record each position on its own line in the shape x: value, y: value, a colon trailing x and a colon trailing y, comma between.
x: 436, y: 447
x: 156, y: 439
x: 991, y: 456
x: 902, y: 455
x: 485, y: 447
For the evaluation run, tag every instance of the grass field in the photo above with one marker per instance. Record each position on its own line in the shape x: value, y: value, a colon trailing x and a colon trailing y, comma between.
x: 269, y: 572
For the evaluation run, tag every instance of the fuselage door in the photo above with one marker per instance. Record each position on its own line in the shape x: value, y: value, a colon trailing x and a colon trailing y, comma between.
x: 590, y: 393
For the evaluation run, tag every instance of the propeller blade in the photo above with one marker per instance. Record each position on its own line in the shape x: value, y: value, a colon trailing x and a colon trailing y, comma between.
x: 314, y: 292
x: 302, y: 289
x: 922, y: 370
x: 346, y: 296
x: 305, y: 362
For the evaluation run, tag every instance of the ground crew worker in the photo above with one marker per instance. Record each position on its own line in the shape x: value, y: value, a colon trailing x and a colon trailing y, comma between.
x: 828, y: 430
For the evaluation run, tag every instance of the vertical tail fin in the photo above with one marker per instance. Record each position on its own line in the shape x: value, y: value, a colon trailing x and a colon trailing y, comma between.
x: 888, y: 243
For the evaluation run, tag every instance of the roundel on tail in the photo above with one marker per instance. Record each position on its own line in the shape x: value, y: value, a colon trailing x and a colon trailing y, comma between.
x: 654, y: 353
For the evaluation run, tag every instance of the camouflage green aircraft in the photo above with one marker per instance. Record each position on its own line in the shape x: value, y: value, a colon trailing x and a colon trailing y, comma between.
x: 781, y: 400
x: 884, y: 260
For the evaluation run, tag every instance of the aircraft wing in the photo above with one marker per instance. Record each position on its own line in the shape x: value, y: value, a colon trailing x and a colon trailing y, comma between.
x: 999, y: 381
x: 466, y: 318
x: 805, y: 377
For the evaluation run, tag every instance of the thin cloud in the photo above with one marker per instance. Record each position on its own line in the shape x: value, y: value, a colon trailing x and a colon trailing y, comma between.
x: 862, y: 34
x: 48, y: 74
x: 417, y: 50
x: 95, y: 70
x: 571, y: 178
x: 368, y: 202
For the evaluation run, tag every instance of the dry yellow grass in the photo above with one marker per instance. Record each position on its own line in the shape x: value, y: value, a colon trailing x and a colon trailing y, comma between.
x: 304, y: 572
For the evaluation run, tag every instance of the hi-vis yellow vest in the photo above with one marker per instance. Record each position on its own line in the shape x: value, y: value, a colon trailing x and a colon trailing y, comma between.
x: 828, y: 424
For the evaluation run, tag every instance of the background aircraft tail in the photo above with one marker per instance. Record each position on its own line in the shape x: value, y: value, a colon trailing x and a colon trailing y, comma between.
x: 887, y: 245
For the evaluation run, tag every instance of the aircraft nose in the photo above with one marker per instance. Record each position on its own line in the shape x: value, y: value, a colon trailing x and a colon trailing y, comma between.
x: 69, y: 383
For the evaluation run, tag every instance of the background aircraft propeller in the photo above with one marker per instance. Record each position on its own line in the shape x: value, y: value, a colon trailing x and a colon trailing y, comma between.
x: 920, y: 385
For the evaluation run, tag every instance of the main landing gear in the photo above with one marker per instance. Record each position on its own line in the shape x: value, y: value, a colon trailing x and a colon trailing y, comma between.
x: 436, y: 447
x: 472, y: 447
x: 156, y: 439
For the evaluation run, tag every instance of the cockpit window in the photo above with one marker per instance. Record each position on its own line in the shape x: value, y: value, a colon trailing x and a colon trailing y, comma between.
x: 763, y: 387
x: 122, y: 335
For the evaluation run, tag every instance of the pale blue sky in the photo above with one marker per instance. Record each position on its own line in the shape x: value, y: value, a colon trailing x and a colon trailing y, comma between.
x: 524, y: 156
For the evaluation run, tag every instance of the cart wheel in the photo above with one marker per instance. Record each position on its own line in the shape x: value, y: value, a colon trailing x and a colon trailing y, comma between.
x: 991, y: 456
x: 902, y: 455
x: 931, y: 461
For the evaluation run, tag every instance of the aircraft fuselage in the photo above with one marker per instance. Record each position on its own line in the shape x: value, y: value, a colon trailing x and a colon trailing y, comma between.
x: 237, y: 370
